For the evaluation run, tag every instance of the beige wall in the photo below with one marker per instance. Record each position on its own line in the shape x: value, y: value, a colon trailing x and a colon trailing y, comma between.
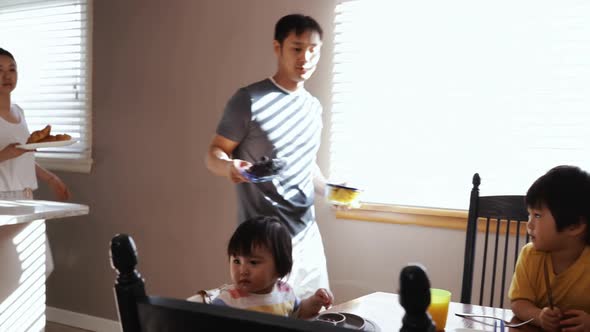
x: 163, y: 71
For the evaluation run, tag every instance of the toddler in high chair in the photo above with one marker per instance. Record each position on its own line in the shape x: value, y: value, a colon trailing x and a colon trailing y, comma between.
x: 559, y: 212
x: 260, y: 256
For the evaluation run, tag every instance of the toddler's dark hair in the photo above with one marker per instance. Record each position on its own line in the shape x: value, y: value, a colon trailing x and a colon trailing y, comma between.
x: 565, y: 191
x: 267, y: 232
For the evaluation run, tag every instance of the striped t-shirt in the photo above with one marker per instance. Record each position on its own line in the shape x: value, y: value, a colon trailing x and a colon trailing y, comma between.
x: 267, y: 120
x: 280, y: 301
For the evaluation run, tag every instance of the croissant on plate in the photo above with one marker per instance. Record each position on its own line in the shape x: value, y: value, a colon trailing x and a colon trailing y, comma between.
x: 38, y: 135
x: 44, y: 135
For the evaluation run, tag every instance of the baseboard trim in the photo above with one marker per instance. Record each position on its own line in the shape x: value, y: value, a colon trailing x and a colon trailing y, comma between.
x: 82, y: 321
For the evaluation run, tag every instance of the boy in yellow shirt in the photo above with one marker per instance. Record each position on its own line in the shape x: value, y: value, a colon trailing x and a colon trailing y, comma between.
x: 559, y: 212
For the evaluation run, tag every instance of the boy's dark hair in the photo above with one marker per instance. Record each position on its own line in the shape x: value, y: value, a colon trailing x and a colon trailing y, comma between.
x: 565, y: 191
x: 8, y: 54
x: 298, y: 23
x: 267, y: 232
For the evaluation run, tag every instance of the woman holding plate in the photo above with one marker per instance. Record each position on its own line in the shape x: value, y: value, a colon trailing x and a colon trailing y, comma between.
x: 18, y: 169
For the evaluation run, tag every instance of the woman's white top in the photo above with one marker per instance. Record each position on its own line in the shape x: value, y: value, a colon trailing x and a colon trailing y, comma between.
x: 17, y: 173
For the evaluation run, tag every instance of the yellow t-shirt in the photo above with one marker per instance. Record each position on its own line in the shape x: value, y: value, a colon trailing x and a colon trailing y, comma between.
x: 570, y: 288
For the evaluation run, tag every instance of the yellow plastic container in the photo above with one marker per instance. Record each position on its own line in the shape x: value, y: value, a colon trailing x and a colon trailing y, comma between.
x: 439, y: 307
x: 343, y: 195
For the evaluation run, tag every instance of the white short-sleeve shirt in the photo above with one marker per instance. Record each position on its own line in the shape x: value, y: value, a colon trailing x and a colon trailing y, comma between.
x: 17, y: 173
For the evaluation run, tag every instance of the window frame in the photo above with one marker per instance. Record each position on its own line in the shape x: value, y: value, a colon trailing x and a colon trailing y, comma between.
x: 392, y: 212
x: 75, y: 160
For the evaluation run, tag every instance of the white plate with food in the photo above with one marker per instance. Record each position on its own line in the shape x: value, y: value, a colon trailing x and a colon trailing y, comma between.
x: 40, y: 139
x: 41, y: 145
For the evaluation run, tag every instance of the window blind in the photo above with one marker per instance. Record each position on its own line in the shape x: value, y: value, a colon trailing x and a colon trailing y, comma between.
x: 426, y: 93
x: 51, y: 42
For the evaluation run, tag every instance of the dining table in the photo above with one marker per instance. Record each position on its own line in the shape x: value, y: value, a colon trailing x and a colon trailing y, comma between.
x: 384, y: 311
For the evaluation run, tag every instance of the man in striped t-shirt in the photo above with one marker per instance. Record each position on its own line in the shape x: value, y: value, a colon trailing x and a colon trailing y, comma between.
x: 278, y: 118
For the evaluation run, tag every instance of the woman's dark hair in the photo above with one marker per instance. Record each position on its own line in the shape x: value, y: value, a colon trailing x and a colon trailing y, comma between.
x: 298, y: 23
x: 565, y: 191
x: 8, y: 54
x: 267, y: 232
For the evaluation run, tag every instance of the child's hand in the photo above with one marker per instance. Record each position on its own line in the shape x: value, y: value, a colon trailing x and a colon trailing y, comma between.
x: 313, y: 304
x: 324, y: 298
x: 550, y: 319
x: 575, y: 321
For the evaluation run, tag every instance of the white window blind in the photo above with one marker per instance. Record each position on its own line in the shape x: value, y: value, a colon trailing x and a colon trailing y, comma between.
x: 428, y: 92
x: 51, y: 41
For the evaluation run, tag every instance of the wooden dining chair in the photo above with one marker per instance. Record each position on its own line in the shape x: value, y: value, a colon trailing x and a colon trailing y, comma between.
x: 501, y: 222
x: 139, y: 312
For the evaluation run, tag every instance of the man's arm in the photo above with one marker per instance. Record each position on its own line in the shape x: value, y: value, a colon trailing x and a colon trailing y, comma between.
x: 220, y: 162
x: 319, y: 181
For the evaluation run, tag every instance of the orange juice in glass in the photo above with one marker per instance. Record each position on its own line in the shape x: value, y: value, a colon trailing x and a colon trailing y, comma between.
x: 439, y: 307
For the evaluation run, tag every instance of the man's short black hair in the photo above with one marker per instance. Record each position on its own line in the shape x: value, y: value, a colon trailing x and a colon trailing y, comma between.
x: 267, y: 232
x: 298, y: 23
x: 8, y: 54
x: 565, y: 191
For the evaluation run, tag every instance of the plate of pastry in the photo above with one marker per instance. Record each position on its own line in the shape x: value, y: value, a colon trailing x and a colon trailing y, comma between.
x: 264, y: 170
x: 43, y: 139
